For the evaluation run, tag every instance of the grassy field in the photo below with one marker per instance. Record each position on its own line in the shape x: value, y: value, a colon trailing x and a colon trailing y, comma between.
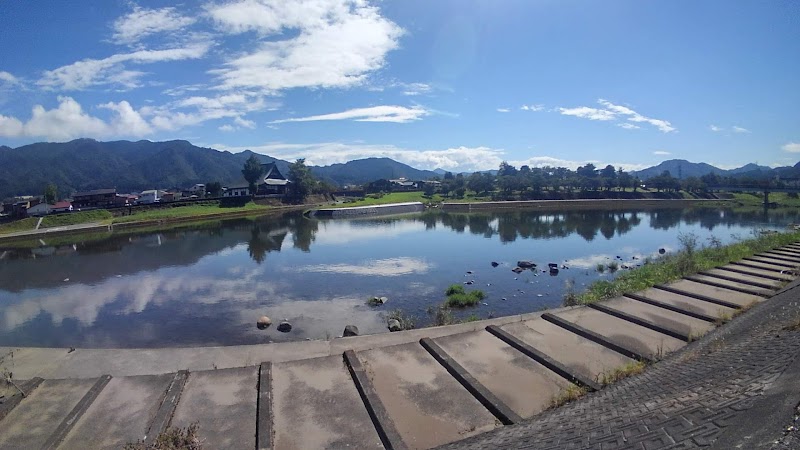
x: 394, y: 197
x: 75, y: 218
x: 689, y: 260
x: 757, y: 199
x: 18, y: 225
x: 188, y: 211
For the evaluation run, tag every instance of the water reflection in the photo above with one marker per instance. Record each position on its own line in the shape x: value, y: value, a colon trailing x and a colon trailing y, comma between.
x: 206, y: 284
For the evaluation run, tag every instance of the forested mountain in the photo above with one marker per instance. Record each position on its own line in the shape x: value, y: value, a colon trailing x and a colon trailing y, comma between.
x: 682, y: 169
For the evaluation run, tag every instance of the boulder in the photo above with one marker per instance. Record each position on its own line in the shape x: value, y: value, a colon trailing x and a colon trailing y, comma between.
x: 495, y: 263
x: 517, y: 270
x: 377, y: 301
x: 552, y: 266
x: 350, y: 330
x: 526, y: 264
x: 285, y: 326
x: 263, y: 322
x: 661, y: 251
x: 394, y: 325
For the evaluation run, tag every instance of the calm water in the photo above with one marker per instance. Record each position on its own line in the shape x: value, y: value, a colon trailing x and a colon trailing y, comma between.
x: 207, y: 285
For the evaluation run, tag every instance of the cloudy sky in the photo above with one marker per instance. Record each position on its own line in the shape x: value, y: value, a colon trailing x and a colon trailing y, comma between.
x: 456, y: 84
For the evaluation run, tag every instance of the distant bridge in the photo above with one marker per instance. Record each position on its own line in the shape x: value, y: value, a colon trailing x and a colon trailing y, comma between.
x: 765, y: 189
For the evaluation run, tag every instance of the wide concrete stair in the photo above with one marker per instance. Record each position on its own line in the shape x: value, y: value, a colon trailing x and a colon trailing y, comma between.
x: 444, y: 385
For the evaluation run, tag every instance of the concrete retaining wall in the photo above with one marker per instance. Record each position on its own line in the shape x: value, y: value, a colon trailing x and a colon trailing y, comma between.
x: 392, y: 208
x: 572, y: 204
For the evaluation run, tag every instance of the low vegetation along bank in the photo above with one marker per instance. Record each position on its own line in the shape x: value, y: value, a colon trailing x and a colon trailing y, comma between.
x: 690, y: 259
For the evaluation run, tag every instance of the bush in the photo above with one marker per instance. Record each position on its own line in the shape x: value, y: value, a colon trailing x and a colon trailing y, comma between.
x: 460, y: 300
x: 454, y: 289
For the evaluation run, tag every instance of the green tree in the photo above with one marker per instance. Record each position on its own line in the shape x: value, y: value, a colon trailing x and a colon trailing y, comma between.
x: 214, y: 188
x: 302, y: 182
x: 50, y: 194
x: 252, y: 171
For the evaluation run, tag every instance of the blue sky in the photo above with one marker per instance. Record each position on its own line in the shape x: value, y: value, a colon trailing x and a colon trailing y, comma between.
x: 455, y: 84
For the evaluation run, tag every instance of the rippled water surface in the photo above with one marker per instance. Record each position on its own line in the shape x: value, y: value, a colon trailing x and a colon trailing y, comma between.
x: 207, y: 284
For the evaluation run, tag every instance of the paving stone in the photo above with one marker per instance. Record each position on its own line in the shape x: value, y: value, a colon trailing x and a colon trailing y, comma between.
x: 427, y: 405
x: 31, y: 423
x: 583, y: 356
x: 522, y: 384
x: 688, y: 303
x: 316, y: 405
x: 120, y: 414
x: 728, y: 295
x: 640, y: 339
x: 223, y: 403
x: 660, y: 316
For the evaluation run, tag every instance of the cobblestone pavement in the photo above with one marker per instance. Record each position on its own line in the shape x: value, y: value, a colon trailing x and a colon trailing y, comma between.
x: 701, y: 394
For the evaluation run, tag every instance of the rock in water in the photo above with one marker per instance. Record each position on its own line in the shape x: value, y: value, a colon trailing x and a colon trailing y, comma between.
x: 526, y: 264
x: 350, y: 330
x: 495, y: 263
x: 517, y: 270
x: 284, y: 327
x: 394, y: 325
x: 661, y: 251
x: 263, y: 322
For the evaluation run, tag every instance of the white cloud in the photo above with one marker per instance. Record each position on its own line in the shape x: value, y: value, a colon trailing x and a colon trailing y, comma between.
x: 6, y: 77
x: 714, y: 128
x: 537, y: 107
x: 384, y: 113
x: 628, y: 126
x: 244, y: 123
x: 585, y: 112
x: 616, y: 112
x: 308, y: 43
x: 661, y: 153
x: 110, y: 71
x: 791, y: 147
x: 416, y: 88
x: 227, y: 128
x: 455, y: 159
x: 69, y: 121
x: 740, y: 130
x: 503, y: 110
x: 391, y: 267
x: 143, y: 22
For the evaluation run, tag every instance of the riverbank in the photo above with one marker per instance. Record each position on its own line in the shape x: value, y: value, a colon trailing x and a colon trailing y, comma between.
x: 691, y: 259
x: 550, y: 205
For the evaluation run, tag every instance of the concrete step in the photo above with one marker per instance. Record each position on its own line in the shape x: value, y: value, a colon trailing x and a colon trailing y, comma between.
x: 777, y: 254
x: 32, y: 423
x: 715, y: 292
x: 580, y: 355
x: 757, y: 272
x: 426, y: 405
x: 316, y: 405
x: 120, y: 414
x: 524, y: 385
x: 223, y: 403
x: 658, y: 319
x: 687, y: 304
x: 642, y: 342
x: 775, y: 261
x: 729, y: 284
x: 751, y: 280
x: 764, y: 266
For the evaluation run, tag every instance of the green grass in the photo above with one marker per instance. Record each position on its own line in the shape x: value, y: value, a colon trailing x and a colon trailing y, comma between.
x: 180, y: 212
x: 457, y: 297
x: 75, y: 218
x: 619, y: 373
x: 686, y: 262
x: 18, y: 225
x: 571, y: 393
x: 757, y: 199
x: 394, y: 197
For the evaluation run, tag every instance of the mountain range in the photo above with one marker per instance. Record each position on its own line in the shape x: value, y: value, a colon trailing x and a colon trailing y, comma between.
x: 85, y: 164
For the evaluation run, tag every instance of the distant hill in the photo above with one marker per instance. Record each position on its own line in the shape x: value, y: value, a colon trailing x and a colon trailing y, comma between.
x: 681, y: 168
x: 85, y: 164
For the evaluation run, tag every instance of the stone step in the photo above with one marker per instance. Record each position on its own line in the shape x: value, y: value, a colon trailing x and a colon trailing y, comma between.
x: 316, y: 405
x: 687, y: 303
x: 774, y: 261
x: 34, y: 420
x: 644, y: 342
x: 426, y: 405
x: 777, y: 254
x: 716, y: 292
x: 223, y: 404
x: 580, y: 355
x: 764, y: 266
x: 121, y: 413
x: 524, y: 385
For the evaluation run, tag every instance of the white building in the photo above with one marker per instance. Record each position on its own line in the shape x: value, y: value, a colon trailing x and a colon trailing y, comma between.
x: 150, y: 196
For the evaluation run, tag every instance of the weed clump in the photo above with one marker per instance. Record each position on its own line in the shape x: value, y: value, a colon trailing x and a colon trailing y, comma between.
x: 407, y: 321
x: 172, y: 438
x: 571, y: 393
x: 620, y: 373
x: 457, y: 297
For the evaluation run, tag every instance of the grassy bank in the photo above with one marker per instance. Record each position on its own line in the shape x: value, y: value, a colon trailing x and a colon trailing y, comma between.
x: 782, y: 199
x: 57, y: 220
x: 18, y: 225
x: 188, y: 211
x: 689, y: 260
x: 394, y: 197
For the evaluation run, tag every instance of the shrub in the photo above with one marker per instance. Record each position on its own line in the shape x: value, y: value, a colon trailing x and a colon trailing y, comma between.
x: 454, y: 289
x: 460, y: 300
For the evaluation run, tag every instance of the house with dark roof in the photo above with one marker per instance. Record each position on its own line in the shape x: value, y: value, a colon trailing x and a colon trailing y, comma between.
x: 98, y: 198
x: 271, y: 183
